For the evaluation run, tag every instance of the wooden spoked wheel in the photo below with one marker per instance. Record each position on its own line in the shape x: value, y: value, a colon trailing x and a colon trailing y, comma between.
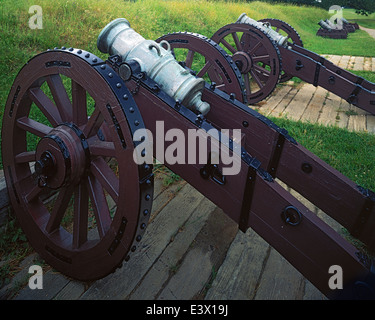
x: 68, y: 155
x: 255, y: 54
x: 207, y: 60
x: 288, y: 31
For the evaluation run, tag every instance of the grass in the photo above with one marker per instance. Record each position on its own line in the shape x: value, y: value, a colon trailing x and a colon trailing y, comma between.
x: 78, y: 23
x: 364, y: 21
x: 351, y: 153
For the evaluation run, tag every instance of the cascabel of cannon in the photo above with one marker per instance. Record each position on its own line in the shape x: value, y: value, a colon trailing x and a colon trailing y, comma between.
x: 265, y: 27
x: 117, y: 38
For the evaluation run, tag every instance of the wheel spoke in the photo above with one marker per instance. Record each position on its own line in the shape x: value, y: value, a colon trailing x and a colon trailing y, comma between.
x: 214, y: 76
x: 247, y: 85
x: 33, y: 194
x: 80, y: 223
x: 237, y: 41
x: 100, y: 206
x: 33, y: 126
x: 262, y: 70
x: 203, y: 71
x: 59, y: 209
x: 60, y: 96
x: 79, y: 104
x: 45, y: 105
x: 256, y: 78
x: 93, y: 124
x: 24, y: 157
x: 106, y: 177
x: 264, y: 58
x: 189, y: 58
x: 228, y: 46
x: 255, y: 48
x: 101, y: 148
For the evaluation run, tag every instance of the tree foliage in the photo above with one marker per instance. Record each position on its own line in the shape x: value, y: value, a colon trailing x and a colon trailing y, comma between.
x: 362, y: 6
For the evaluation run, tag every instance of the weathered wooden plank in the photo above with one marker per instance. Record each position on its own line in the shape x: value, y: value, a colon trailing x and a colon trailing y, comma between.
x: 358, y: 63
x: 351, y: 63
x: 4, y: 199
x: 367, y: 64
x: 203, y: 259
x: 335, y: 59
x: 72, y: 291
x: 157, y: 236
x: 163, y: 198
x: 344, y: 62
x: 343, y: 116
x: 237, y: 278
x: 278, y: 110
x: 297, y: 106
x: 11, y: 289
x: 328, y: 56
x: 357, y: 123
x: 53, y: 282
x: 311, y: 292
x: 274, y: 100
x: 315, y: 106
x: 370, y: 123
x: 329, y: 113
x: 161, y: 270
x: 279, y: 280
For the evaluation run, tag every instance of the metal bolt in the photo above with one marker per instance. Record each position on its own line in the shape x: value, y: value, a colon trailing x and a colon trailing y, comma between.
x: 306, y: 167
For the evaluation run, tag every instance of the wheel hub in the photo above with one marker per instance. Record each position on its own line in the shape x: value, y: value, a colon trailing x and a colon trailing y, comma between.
x: 61, y: 157
x: 243, y: 61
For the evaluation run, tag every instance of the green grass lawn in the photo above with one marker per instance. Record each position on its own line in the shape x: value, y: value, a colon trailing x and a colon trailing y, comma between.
x: 352, y: 153
x: 364, y: 21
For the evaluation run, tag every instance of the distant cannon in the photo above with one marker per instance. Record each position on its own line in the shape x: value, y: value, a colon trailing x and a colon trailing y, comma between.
x: 347, y: 23
x: 327, y: 31
x: 341, y: 25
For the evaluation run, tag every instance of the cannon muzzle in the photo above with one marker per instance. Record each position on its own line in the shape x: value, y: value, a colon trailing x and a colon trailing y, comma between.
x: 117, y: 38
x: 324, y: 25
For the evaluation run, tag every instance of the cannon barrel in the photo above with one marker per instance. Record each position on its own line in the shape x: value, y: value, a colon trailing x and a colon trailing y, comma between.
x: 338, y: 26
x: 344, y: 21
x: 324, y: 25
x: 265, y: 27
x: 117, y: 38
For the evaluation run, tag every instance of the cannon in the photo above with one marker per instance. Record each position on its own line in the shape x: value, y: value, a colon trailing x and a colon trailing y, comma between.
x: 329, y: 30
x: 350, y: 24
x: 343, y: 23
x: 78, y: 131
x: 340, y: 24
